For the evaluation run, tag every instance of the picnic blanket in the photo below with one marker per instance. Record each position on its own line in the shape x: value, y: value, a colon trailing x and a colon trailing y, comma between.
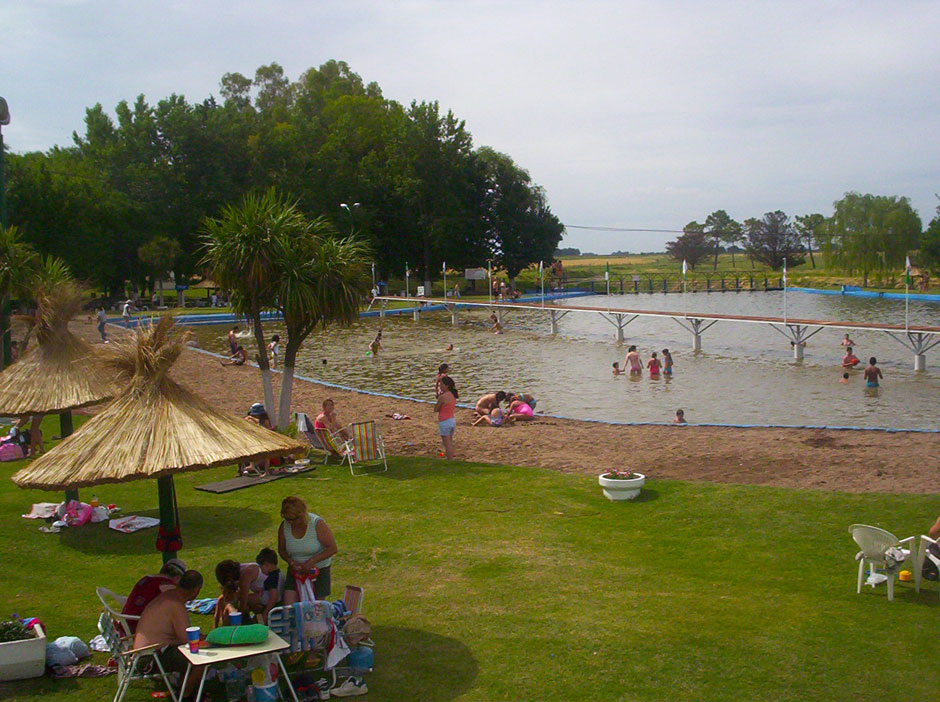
x: 128, y: 525
x: 244, y: 481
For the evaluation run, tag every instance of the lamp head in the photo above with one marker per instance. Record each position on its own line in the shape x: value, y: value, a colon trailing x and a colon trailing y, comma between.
x: 4, y: 112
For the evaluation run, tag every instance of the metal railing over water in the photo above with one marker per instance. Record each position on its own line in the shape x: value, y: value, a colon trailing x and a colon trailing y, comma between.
x: 916, y: 338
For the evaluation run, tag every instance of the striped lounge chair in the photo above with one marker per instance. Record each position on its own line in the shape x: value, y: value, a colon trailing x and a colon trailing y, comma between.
x: 365, y: 445
x: 332, y: 445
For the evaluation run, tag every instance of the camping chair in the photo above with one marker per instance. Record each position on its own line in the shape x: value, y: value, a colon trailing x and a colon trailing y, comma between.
x: 352, y: 598
x: 923, y: 553
x: 122, y: 620
x: 874, y: 542
x: 129, y: 659
x: 320, y: 439
x: 365, y: 445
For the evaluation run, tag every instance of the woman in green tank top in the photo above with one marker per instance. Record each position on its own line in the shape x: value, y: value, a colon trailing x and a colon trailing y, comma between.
x: 305, y: 541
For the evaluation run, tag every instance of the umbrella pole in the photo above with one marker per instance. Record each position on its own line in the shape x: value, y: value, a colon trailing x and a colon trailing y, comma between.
x: 169, y: 515
x: 66, y: 429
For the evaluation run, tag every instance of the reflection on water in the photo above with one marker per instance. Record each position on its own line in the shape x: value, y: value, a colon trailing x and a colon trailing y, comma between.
x: 744, y: 374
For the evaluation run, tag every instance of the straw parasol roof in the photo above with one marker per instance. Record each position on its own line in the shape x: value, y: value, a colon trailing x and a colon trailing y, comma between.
x: 153, y: 428
x: 61, y: 372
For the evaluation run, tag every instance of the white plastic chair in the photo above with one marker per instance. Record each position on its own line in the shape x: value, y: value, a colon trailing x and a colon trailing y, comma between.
x: 874, y: 542
x: 123, y: 620
x: 922, y: 554
x: 129, y: 659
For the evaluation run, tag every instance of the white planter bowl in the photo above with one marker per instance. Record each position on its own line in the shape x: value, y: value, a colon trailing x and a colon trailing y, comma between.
x: 618, y: 489
x: 24, y: 659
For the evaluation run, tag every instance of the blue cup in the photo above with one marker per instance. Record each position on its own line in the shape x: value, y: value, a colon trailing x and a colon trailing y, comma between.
x: 235, y: 618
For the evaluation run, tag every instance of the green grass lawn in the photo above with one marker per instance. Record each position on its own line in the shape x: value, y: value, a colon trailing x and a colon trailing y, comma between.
x: 503, y: 583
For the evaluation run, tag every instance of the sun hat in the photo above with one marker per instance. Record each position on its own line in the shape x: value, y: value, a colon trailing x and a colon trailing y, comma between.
x: 256, y: 410
x: 175, y: 567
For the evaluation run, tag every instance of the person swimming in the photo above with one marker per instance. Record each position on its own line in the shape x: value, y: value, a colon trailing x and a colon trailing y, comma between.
x: 844, y: 378
x: 872, y: 373
x: 667, y: 362
x: 680, y: 417
x: 633, y: 360
x: 617, y: 369
x: 846, y: 341
x: 654, y: 365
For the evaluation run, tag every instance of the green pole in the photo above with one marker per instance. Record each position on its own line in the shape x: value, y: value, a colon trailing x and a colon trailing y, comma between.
x: 7, y: 341
x: 168, y: 516
x: 66, y: 429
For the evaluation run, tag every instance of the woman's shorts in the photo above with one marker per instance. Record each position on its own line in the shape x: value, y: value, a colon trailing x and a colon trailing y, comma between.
x: 447, y: 427
x: 321, y: 586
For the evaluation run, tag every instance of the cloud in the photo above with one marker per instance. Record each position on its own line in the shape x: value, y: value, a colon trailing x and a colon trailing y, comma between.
x: 632, y: 114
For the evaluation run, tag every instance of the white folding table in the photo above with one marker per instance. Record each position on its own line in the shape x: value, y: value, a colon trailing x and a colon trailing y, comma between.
x: 224, y: 654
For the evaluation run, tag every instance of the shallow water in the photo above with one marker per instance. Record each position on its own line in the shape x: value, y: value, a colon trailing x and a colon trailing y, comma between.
x: 745, y: 373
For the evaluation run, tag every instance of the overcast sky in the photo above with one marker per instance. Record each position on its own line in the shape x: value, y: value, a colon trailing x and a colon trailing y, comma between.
x: 630, y: 114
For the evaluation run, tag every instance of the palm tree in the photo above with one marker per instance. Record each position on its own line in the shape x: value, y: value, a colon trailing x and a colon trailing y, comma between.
x: 242, y: 255
x: 16, y: 259
x: 322, y: 281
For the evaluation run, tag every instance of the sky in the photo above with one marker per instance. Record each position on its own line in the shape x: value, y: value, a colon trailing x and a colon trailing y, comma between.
x: 633, y: 115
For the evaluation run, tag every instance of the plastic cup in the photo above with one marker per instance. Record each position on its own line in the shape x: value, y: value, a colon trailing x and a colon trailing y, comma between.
x: 235, y: 618
x: 192, y: 636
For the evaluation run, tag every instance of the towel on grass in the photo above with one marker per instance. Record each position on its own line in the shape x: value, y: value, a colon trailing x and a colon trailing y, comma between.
x: 203, y: 606
x: 128, y: 525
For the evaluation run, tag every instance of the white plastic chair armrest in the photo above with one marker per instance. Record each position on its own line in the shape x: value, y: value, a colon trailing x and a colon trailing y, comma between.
x: 908, y: 539
x: 924, y: 537
x: 143, y: 650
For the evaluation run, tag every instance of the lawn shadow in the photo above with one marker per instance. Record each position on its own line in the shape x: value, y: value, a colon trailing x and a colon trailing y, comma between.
x: 646, y: 495
x: 444, y: 666
x: 200, y: 524
x: 404, y: 468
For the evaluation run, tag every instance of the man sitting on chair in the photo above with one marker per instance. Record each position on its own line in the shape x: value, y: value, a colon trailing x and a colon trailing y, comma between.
x: 164, y: 621
x: 327, y: 420
x: 149, y: 587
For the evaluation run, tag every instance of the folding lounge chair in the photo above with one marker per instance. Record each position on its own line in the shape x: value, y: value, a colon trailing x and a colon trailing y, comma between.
x: 365, y: 445
x: 352, y: 598
x: 321, y: 439
x: 129, y: 659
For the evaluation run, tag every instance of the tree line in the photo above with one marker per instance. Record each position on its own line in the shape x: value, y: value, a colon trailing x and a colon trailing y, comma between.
x: 865, y: 233
x: 127, y: 201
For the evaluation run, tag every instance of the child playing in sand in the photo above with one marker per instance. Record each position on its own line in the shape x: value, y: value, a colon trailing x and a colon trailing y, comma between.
x: 680, y: 417
x: 654, y: 365
x: 496, y: 418
x: 617, y: 369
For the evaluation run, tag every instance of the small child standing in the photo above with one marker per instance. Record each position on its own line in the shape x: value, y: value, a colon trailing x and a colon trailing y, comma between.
x: 617, y: 369
x: 654, y: 365
x: 274, y: 349
x: 667, y: 362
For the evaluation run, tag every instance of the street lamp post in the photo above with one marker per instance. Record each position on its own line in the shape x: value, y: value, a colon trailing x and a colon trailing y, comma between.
x: 6, y: 342
x: 349, y: 209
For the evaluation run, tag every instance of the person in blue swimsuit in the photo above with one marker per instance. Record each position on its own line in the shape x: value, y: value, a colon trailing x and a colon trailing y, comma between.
x: 667, y: 362
x: 872, y: 373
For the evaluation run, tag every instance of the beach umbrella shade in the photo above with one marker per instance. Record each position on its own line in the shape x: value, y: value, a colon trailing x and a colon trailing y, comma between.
x: 154, y: 428
x: 61, y: 372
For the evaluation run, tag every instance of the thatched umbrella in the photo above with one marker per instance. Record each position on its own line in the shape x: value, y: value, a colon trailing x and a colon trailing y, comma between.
x: 153, y: 428
x: 61, y: 372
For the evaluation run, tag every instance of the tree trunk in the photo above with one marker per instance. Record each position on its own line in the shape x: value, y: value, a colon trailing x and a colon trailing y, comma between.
x: 266, y: 383
x: 160, y: 286
x: 732, y: 256
x: 287, y: 384
x: 811, y: 259
x: 427, y: 266
x: 715, y: 267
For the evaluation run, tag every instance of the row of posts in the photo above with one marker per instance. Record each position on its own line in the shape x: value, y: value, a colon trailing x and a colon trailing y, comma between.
x: 637, y: 286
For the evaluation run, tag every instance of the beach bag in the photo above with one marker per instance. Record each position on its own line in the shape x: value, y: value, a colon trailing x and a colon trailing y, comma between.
x: 10, y: 451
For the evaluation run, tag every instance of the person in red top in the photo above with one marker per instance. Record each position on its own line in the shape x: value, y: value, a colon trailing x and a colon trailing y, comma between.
x: 849, y: 360
x: 149, y: 587
x: 654, y: 365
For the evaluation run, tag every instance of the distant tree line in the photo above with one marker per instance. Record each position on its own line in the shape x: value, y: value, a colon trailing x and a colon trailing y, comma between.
x: 127, y: 200
x: 865, y: 233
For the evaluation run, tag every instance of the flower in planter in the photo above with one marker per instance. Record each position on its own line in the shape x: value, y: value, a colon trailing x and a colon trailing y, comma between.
x: 615, y: 474
x: 13, y: 630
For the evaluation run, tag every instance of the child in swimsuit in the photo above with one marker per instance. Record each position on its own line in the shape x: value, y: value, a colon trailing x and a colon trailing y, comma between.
x: 654, y: 366
x: 680, y: 417
x: 667, y: 362
x: 495, y: 418
x: 520, y: 410
x: 872, y: 373
x: 617, y: 369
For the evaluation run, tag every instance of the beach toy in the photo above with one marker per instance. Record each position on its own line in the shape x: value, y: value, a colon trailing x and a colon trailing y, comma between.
x: 905, y: 576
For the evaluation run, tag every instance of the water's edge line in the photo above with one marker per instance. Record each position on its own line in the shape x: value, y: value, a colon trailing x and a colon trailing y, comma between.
x: 393, y: 396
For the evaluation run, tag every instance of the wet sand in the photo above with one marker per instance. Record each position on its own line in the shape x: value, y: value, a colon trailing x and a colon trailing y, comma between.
x: 851, y: 461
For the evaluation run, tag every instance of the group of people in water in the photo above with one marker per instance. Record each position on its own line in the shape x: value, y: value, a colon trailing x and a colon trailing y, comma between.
x: 633, y: 364
x: 850, y: 361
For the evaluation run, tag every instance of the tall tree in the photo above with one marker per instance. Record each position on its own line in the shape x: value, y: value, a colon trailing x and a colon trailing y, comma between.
x: 16, y: 259
x: 773, y: 239
x: 159, y: 255
x: 871, y: 232
x: 721, y: 228
x: 930, y: 242
x: 240, y: 253
x: 808, y: 227
x: 692, y: 246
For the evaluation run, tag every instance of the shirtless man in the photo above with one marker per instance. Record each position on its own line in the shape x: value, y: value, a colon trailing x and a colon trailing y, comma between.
x: 164, y: 622
x: 327, y: 420
x: 488, y: 403
x: 872, y: 373
x: 632, y: 362
x: 850, y: 360
x: 150, y: 587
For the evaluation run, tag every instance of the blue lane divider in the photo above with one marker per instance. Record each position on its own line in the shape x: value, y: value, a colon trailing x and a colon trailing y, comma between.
x: 209, y: 318
x: 374, y: 393
x: 852, y: 291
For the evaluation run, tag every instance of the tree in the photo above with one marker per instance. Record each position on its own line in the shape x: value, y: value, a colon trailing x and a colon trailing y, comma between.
x: 808, y: 227
x: 871, y: 232
x: 322, y: 280
x: 159, y: 255
x: 240, y: 254
x: 16, y: 262
x: 721, y: 228
x: 692, y: 246
x: 773, y: 239
x: 930, y: 242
